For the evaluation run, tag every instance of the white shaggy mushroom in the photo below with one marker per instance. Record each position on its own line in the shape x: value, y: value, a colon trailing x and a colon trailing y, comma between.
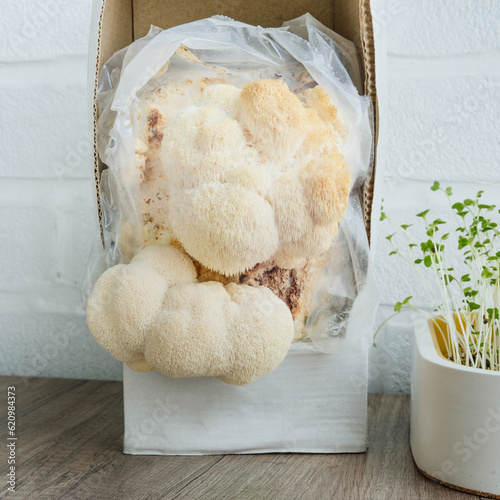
x: 247, y: 181
x: 327, y: 183
x: 239, y: 159
x: 202, y: 145
x: 309, y: 202
x: 223, y: 96
x: 237, y: 333
x: 226, y: 227
x: 256, y: 178
x: 127, y: 298
x: 124, y: 302
x: 171, y: 263
x: 274, y: 116
x: 292, y: 214
x: 317, y: 99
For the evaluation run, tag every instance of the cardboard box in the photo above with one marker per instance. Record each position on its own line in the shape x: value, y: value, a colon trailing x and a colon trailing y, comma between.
x: 313, y: 402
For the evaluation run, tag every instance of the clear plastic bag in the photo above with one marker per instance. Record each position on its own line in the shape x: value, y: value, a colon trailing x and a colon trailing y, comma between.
x: 303, y: 53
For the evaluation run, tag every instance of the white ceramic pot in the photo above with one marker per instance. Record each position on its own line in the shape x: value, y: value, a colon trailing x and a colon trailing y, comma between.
x: 455, y: 419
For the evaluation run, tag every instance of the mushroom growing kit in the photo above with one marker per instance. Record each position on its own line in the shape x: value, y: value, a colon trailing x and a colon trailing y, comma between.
x: 232, y: 165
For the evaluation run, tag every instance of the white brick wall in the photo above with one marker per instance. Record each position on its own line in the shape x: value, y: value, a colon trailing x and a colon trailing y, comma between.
x: 442, y: 109
x: 426, y: 28
x: 47, y: 222
x: 42, y: 31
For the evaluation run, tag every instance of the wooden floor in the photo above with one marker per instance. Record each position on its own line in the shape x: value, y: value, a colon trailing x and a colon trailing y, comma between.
x: 70, y: 440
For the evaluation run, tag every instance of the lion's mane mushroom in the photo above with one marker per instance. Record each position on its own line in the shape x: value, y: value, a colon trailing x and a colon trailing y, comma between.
x: 227, y: 227
x: 235, y: 332
x: 255, y: 175
x: 223, y: 96
x: 308, y: 204
x: 274, y: 116
x: 127, y: 298
x: 215, y: 150
x: 202, y: 144
x: 153, y: 315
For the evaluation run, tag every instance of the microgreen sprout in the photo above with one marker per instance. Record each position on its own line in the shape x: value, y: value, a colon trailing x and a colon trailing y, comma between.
x: 468, y: 304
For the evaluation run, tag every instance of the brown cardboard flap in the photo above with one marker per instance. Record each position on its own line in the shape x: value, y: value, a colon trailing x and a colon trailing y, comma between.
x: 346, y: 21
x: 368, y: 51
x: 116, y: 27
x: 115, y: 31
x: 353, y: 20
x: 122, y: 21
x: 267, y: 13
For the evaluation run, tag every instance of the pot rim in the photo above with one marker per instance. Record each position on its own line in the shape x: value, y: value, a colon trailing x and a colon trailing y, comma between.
x: 428, y: 349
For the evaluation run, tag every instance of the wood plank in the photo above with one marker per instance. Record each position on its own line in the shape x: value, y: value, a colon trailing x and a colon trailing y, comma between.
x: 386, y: 471
x: 70, y: 442
x: 33, y: 392
x: 65, y: 443
x: 390, y: 469
x: 141, y: 477
x: 68, y: 436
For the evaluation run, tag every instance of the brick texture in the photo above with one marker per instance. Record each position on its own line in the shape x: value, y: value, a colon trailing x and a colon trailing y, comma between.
x: 427, y: 28
x: 442, y: 124
x: 32, y: 30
